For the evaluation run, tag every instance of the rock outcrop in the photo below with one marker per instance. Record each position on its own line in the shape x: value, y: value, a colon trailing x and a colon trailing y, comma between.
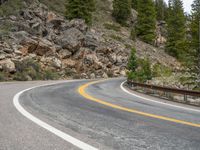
x: 71, y: 47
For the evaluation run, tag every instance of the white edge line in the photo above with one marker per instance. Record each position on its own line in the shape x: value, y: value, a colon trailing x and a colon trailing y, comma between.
x: 147, y: 99
x: 64, y: 136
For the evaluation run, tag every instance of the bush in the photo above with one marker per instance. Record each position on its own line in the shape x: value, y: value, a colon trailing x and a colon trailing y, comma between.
x: 50, y: 75
x: 160, y: 70
x: 112, y: 26
x: 81, y: 9
x: 11, y: 7
x: 2, y: 76
x: 116, y: 37
x: 133, y: 34
x: 143, y: 71
x: 132, y: 63
x: 121, y: 10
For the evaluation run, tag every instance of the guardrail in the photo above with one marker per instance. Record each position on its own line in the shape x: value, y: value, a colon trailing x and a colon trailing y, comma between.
x: 188, y: 96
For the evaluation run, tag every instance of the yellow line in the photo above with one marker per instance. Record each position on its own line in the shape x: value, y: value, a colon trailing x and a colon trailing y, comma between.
x: 82, y: 92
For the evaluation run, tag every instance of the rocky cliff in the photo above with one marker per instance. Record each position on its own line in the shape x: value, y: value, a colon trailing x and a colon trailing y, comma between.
x: 70, y: 48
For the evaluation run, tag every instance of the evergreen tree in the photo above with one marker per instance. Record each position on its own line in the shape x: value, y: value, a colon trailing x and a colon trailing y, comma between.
x: 176, y: 41
x: 194, y: 28
x: 161, y: 9
x: 121, y: 10
x: 135, y: 4
x: 132, y: 63
x: 81, y: 9
x: 145, y: 28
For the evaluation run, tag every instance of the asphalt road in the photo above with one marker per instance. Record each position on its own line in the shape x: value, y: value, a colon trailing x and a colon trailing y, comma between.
x: 98, y: 125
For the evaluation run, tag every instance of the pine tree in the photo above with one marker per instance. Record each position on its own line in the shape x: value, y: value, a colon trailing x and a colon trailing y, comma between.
x: 145, y: 28
x: 194, y: 28
x: 134, y: 4
x: 121, y: 10
x: 81, y: 9
x: 132, y: 63
x: 161, y: 9
x: 176, y: 41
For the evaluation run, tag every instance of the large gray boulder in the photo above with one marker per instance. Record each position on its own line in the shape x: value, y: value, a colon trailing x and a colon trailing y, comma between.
x: 72, y: 39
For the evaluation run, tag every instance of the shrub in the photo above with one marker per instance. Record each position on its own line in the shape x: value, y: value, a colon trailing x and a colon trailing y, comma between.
x: 140, y: 70
x: 160, y: 70
x: 50, y: 75
x: 2, y: 76
x: 116, y: 37
x: 121, y: 10
x: 132, y: 63
x: 82, y: 9
x: 112, y: 26
x: 133, y: 34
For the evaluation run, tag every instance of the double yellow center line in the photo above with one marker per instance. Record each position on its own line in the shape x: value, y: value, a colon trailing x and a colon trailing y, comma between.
x: 82, y: 92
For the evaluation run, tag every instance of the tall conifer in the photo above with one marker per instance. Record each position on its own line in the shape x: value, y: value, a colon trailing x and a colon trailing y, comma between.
x: 146, y: 25
x: 80, y: 9
x: 121, y: 10
x: 195, y: 40
x: 176, y: 40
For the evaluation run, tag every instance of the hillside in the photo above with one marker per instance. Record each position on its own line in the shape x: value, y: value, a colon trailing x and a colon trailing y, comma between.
x: 37, y: 33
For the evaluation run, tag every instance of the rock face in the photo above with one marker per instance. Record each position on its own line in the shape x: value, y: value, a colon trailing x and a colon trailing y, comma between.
x: 60, y: 44
x: 70, y: 47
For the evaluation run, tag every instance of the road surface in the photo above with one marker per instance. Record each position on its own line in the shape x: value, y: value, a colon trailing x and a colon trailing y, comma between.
x: 99, y: 114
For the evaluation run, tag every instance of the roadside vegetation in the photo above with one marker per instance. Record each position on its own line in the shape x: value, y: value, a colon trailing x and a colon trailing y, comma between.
x: 31, y: 70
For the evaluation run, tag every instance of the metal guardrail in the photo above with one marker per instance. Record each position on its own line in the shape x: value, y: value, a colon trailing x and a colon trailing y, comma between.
x: 168, y: 91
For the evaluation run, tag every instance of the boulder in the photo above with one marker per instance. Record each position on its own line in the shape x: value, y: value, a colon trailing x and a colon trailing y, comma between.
x: 38, y: 46
x: 8, y: 50
x: 8, y: 65
x: 105, y: 75
x: 56, y: 63
x: 78, y: 24
x: 84, y: 76
x: 64, y: 54
x: 2, y: 56
x: 20, y: 35
x: 113, y: 58
x: 43, y: 47
x: 92, y: 76
x: 92, y: 39
x: 72, y: 40
x: 29, y: 45
x: 68, y: 63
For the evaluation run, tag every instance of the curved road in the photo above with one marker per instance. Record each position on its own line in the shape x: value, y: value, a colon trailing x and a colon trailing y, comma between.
x: 99, y: 114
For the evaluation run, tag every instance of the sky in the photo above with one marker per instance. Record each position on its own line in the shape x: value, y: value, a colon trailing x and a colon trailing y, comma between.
x: 187, y: 5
